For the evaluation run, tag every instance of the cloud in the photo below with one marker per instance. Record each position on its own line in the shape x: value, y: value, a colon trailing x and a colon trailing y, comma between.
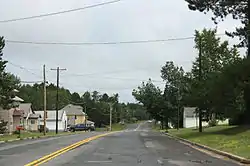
x: 123, y: 21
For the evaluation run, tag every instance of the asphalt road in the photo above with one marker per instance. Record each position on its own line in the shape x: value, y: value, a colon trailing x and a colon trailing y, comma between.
x: 20, y: 153
x: 136, y: 146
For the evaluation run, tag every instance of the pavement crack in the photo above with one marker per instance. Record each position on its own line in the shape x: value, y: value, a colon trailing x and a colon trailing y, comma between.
x: 200, y: 161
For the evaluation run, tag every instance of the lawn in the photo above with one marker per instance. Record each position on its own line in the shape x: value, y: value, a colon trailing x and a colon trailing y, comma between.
x: 115, y: 127
x: 118, y: 127
x: 232, y: 139
x: 32, y: 134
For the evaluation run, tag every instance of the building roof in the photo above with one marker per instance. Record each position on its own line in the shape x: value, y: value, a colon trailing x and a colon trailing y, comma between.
x: 189, y: 111
x: 26, y: 107
x: 51, y: 114
x: 34, y: 116
x: 73, y: 110
x: 90, y: 122
x: 18, y: 112
x: 16, y: 98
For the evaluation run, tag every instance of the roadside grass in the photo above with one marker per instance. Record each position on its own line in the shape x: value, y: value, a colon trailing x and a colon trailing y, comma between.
x: 25, y: 134
x: 115, y: 127
x: 157, y: 127
x: 118, y: 127
x: 232, y: 139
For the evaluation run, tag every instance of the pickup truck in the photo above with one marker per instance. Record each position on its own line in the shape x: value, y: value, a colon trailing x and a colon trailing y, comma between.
x: 81, y: 127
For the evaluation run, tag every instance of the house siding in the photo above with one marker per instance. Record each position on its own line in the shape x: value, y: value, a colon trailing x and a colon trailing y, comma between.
x: 30, y: 126
x: 190, y: 119
x: 79, y: 119
x: 16, y: 121
x: 6, y: 115
x: 51, y: 124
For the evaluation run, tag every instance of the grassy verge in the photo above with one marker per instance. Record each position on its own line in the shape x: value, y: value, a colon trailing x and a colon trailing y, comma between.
x: 157, y: 127
x: 33, y: 134
x: 118, y: 127
x: 115, y: 127
x: 232, y: 139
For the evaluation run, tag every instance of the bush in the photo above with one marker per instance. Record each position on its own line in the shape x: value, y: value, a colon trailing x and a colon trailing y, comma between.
x: 16, y: 132
x: 3, y: 127
x: 212, y: 123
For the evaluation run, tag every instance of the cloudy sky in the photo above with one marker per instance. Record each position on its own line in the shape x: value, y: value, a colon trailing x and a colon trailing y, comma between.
x: 105, y: 68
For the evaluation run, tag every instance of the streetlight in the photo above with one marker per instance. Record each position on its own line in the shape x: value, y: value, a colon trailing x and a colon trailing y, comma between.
x: 178, y: 104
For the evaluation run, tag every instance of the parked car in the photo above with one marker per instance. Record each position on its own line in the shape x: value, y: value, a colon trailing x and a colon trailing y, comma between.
x: 81, y: 127
x: 41, y: 128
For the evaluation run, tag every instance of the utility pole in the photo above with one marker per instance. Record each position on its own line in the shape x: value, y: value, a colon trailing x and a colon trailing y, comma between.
x: 57, y: 96
x: 178, y: 109
x: 85, y: 110
x: 200, y: 78
x: 44, y: 101
x: 110, y: 117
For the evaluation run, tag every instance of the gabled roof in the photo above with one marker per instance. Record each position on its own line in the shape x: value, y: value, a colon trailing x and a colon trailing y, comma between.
x: 26, y: 107
x: 189, y: 111
x: 16, y: 98
x: 73, y: 110
x: 90, y: 122
x: 51, y: 114
x: 34, y: 116
x: 18, y: 112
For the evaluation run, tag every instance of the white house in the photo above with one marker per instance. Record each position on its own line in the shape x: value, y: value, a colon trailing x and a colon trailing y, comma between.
x: 191, y: 118
x: 51, y: 119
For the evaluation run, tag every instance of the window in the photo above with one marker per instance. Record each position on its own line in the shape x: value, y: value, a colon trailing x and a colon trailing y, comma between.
x: 32, y: 121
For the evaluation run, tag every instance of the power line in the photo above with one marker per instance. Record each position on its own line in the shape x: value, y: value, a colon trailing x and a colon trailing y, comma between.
x: 103, y: 43
x: 25, y: 69
x: 61, y: 12
x: 64, y: 84
x: 98, y: 43
x: 100, y: 73
x: 118, y: 78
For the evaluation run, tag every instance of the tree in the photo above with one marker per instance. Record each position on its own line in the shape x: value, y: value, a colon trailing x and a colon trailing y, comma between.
x: 238, y: 9
x: 174, y: 88
x: 228, y: 91
x: 105, y: 97
x: 152, y: 99
x: 216, y: 56
x: 34, y: 94
x: 8, y: 82
x: 75, y: 98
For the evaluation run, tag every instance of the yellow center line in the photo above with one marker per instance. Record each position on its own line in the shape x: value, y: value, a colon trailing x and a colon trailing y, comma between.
x: 63, y: 150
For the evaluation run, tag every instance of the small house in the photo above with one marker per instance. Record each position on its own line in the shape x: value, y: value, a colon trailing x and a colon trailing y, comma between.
x: 51, y: 119
x: 30, y: 118
x: 75, y: 114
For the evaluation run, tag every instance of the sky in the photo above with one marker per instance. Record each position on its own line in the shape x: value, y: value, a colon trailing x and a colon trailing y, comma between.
x: 105, y: 68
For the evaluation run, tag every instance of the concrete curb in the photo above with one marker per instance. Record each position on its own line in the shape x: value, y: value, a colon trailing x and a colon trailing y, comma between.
x: 222, y: 153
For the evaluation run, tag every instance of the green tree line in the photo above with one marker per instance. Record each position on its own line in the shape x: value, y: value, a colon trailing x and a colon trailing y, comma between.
x: 96, y: 105
x: 219, y: 90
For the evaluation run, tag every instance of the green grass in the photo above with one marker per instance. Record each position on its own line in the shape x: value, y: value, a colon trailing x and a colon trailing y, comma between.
x: 25, y: 134
x: 157, y: 127
x: 232, y: 139
x: 118, y: 127
x: 115, y: 127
